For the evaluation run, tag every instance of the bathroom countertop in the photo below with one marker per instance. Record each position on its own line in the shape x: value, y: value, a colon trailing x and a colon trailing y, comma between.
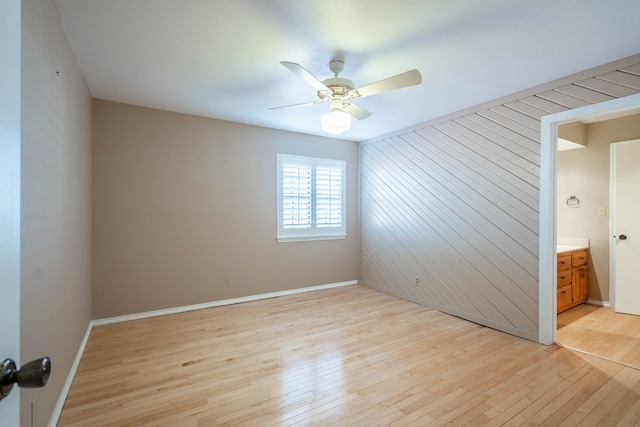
x: 570, y: 248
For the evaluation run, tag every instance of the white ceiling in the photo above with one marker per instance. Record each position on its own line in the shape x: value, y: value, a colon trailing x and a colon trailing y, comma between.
x: 220, y: 58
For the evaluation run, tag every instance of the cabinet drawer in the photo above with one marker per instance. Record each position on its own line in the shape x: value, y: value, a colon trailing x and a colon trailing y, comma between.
x: 564, y: 261
x: 564, y: 298
x: 564, y: 278
x: 578, y: 258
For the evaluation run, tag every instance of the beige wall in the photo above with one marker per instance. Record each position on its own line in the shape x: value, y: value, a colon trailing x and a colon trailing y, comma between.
x: 585, y: 173
x: 181, y: 202
x: 55, y: 203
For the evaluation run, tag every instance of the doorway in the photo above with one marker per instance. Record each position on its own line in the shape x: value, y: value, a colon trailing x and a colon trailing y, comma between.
x: 595, y: 328
x: 548, y: 199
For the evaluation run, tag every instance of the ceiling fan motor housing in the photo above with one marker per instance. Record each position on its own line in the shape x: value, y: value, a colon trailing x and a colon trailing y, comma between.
x: 337, y: 85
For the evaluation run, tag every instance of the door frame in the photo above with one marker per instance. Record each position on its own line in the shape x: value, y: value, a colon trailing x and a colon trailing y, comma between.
x: 547, y: 320
x: 612, y: 210
x: 10, y: 45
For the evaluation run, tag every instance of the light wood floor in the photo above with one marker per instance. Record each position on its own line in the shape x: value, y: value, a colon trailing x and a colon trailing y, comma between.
x: 349, y: 356
x: 601, y: 331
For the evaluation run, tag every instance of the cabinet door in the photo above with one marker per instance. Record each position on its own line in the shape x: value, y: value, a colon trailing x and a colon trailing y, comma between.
x: 579, y: 285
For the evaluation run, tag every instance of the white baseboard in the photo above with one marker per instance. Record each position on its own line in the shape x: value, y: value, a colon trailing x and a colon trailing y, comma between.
x: 598, y: 302
x: 211, y: 304
x: 53, y: 421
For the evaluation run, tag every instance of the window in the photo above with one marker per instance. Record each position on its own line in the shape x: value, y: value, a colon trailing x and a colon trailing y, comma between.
x: 311, y: 198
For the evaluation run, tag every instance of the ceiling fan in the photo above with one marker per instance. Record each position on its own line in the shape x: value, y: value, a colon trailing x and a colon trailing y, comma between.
x: 339, y: 92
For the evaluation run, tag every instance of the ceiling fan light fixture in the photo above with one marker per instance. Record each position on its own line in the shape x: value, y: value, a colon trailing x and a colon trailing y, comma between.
x: 336, y: 122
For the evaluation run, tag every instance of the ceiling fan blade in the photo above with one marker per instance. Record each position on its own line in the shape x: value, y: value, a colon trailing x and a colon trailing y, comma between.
x: 356, y: 111
x: 298, y: 105
x: 408, y: 78
x: 301, y: 72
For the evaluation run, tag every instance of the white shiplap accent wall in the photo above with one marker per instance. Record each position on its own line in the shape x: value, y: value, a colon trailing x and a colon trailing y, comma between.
x: 456, y: 202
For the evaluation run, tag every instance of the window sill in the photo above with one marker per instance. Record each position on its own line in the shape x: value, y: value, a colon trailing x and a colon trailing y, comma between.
x: 309, y: 238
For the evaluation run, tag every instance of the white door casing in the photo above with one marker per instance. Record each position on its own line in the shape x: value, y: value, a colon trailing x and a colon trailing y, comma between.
x: 625, y: 226
x: 10, y: 198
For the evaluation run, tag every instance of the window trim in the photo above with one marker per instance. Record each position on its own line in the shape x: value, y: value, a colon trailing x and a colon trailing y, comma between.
x: 314, y: 233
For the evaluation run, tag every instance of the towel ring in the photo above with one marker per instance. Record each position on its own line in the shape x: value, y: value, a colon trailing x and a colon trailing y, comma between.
x: 573, y: 201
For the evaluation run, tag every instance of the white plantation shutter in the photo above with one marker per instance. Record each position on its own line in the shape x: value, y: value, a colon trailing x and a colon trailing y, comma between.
x: 311, y: 198
x: 328, y: 195
x: 296, y: 194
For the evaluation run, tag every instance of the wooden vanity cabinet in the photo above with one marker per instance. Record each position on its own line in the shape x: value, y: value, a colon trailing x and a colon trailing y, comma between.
x: 573, y: 281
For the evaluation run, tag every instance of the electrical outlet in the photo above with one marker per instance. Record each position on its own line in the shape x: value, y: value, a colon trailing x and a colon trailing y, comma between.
x: 228, y: 282
x: 34, y: 410
x: 417, y: 282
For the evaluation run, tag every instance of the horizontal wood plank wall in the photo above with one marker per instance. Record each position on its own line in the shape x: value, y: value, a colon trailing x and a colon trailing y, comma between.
x: 455, y: 202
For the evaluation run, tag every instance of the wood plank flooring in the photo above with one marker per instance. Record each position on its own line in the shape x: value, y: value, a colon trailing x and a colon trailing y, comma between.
x: 348, y: 356
x: 601, y: 331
